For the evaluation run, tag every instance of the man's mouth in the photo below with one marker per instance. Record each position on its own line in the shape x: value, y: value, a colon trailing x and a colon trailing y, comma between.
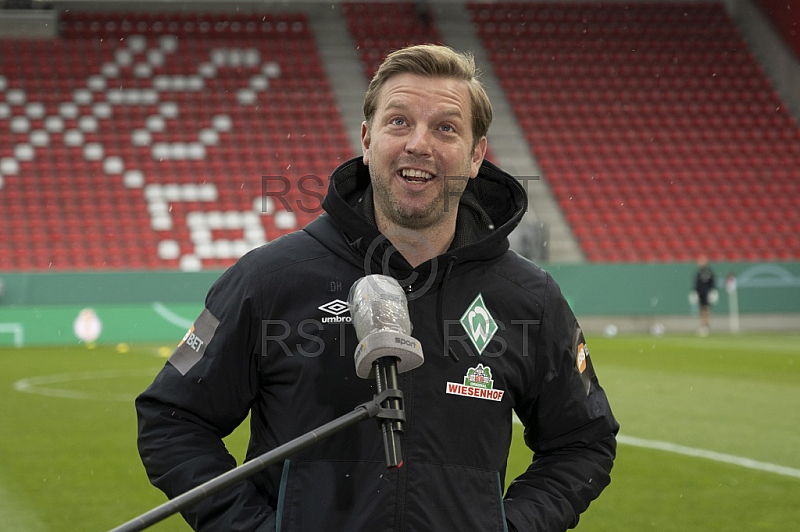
x: 415, y: 176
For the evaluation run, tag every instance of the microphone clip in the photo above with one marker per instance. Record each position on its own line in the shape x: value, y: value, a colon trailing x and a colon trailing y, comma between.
x: 377, y: 410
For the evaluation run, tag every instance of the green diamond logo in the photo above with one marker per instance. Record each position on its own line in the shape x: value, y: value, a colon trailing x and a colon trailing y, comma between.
x: 479, y: 324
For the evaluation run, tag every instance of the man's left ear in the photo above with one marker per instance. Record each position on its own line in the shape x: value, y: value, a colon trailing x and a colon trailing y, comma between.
x: 365, y: 141
x: 477, y: 156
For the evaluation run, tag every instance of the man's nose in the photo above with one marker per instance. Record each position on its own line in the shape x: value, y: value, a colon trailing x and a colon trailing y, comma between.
x: 419, y: 141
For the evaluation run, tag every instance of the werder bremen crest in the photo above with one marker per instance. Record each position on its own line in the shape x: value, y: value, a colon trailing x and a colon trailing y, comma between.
x: 479, y: 324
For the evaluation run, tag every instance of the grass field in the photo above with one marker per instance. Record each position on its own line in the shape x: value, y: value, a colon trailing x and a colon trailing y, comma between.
x: 710, y: 436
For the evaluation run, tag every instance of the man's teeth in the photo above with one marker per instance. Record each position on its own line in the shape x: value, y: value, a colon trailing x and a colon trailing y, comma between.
x: 417, y: 174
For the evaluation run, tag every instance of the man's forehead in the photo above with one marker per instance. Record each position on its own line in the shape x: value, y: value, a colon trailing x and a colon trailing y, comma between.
x: 451, y: 94
x: 397, y: 102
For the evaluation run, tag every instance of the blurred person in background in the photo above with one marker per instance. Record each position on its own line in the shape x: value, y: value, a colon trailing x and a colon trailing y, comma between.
x: 706, y: 290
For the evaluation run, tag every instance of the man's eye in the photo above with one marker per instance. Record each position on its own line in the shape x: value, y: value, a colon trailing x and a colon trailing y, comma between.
x: 398, y: 121
x: 447, y: 128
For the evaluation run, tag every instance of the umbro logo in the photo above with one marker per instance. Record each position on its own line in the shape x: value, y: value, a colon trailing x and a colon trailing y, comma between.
x: 336, y: 308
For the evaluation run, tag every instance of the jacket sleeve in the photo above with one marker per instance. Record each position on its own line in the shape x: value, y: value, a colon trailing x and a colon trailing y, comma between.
x: 201, y: 395
x: 568, y: 425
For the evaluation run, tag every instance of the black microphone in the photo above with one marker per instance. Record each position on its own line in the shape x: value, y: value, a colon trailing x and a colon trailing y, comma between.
x: 379, y: 310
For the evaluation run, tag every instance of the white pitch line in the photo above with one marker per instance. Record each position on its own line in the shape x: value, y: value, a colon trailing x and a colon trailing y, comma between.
x: 43, y: 384
x: 703, y: 453
x: 171, y: 317
x: 709, y: 455
x: 15, y: 514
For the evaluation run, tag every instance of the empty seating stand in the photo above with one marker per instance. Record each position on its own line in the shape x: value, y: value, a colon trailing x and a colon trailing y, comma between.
x: 140, y: 141
x: 380, y: 28
x: 660, y: 135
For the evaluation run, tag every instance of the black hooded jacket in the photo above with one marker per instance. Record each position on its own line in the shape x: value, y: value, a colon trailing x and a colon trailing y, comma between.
x: 274, y: 341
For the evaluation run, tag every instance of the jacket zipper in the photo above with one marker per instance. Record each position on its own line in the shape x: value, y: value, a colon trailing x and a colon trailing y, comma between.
x: 282, y: 495
x: 402, y: 477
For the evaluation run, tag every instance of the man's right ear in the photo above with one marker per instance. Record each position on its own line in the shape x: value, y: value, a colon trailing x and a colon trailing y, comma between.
x: 365, y: 142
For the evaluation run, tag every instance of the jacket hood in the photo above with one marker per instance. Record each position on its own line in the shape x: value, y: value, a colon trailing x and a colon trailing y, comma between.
x: 490, y: 208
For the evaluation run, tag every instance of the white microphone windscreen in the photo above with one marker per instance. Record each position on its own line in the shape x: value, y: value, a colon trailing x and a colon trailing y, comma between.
x: 378, y: 303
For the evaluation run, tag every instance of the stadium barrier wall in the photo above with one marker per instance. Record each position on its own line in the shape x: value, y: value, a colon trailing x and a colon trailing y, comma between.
x: 159, y: 307
x: 663, y: 289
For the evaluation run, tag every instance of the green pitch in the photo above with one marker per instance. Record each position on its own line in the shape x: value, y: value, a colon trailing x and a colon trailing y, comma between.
x: 709, y: 441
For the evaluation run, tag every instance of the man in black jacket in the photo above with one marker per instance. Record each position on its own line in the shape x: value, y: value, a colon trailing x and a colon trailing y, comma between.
x: 705, y: 287
x: 423, y: 206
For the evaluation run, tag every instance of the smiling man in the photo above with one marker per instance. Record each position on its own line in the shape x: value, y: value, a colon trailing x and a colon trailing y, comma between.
x: 423, y: 206
x: 420, y: 148
x: 422, y: 144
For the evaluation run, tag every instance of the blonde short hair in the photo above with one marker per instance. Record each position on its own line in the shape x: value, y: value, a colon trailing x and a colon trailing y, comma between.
x: 434, y: 61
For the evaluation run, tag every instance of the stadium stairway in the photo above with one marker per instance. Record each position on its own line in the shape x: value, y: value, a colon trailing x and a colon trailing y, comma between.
x: 343, y: 67
x: 773, y: 37
x: 510, y: 147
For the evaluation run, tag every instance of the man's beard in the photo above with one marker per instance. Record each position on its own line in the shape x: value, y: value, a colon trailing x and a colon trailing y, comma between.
x: 411, y: 218
x: 446, y: 200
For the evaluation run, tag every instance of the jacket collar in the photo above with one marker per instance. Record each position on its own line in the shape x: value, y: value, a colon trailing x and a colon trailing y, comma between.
x: 491, y: 207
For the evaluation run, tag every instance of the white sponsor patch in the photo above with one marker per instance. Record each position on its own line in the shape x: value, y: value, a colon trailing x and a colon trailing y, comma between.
x: 194, y: 342
x: 478, y: 383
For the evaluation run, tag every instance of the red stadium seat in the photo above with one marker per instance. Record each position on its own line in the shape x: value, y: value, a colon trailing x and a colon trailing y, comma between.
x: 673, y: 103
x: 69, y: 207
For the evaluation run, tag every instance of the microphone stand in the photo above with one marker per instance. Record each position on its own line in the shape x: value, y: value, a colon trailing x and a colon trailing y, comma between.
x: 370, y: 409
x: 385, y: 380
